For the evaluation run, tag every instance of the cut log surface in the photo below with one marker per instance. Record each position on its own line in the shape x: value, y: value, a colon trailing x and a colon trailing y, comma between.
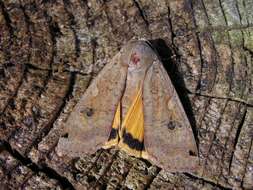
x: 50, y: 50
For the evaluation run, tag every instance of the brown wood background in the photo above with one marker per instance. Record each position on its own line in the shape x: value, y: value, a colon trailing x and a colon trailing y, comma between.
x: 51, y: 49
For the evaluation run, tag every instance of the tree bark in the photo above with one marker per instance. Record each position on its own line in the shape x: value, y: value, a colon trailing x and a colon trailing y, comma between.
x: 50, y: 50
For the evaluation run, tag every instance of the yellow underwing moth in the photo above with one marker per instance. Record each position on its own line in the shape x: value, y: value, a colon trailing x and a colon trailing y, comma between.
x: 133, y: 105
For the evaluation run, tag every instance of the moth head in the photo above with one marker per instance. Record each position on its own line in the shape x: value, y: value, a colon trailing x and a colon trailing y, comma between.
x: 138, y: 55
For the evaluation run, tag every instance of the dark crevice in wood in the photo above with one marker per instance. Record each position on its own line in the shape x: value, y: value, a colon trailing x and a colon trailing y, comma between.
x: 150, y: 181
x: 226, y: 143
x: 248, y: 156
x: 223, y: 98
x: 249, y: 51
x: 78, y: 73
x: 47, y: 1
x: 237, y: 135
x: 205, y: 11
x: 198, y: 87
x: 54, y: 29
x: 7, y: 19
x: 238, y: 10
x: 223, y: 12
x: 218, y: 124
x: 142, y: 12
x: 30, y: 66
x: 215, y: 55
x: 215, y: 185
x: 37, y: 168
x: 173, y: 35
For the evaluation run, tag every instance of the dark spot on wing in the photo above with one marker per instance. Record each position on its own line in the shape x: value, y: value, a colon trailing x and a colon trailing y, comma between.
x: 192, y: 153
x: 132, y: 142
x: 88, y: 112
x: 113, y: 134
x: 65, y: 135
x: 171, y: 125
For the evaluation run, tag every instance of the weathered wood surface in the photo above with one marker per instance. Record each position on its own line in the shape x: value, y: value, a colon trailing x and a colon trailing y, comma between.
x: 51, y: 49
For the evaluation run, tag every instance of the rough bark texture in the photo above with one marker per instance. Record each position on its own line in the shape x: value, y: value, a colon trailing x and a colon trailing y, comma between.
x: 51, y: 49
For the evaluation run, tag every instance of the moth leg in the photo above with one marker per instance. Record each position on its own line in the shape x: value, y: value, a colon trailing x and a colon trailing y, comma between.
x: 132, y: 132
x: 113, y: 139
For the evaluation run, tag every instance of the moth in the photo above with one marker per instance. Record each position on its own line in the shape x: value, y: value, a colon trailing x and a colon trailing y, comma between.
x: 133, y: 105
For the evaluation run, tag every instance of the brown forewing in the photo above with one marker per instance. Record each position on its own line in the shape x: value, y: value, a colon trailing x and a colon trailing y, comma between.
x: 168, y: 135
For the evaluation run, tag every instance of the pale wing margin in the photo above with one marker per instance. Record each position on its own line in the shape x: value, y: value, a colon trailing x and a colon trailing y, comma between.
x: 89, y: 125
x: 169, y: 139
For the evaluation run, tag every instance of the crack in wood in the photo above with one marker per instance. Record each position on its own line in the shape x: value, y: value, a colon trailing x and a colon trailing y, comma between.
x: 37, y: 168
x: 221, y: 97
x: 215, y: 185
x: 218, y: 123
x: 248, y: 155
x: 7, y: 19
x: 238, y: 131
x: 226, y: 142
x: 142, y: 13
